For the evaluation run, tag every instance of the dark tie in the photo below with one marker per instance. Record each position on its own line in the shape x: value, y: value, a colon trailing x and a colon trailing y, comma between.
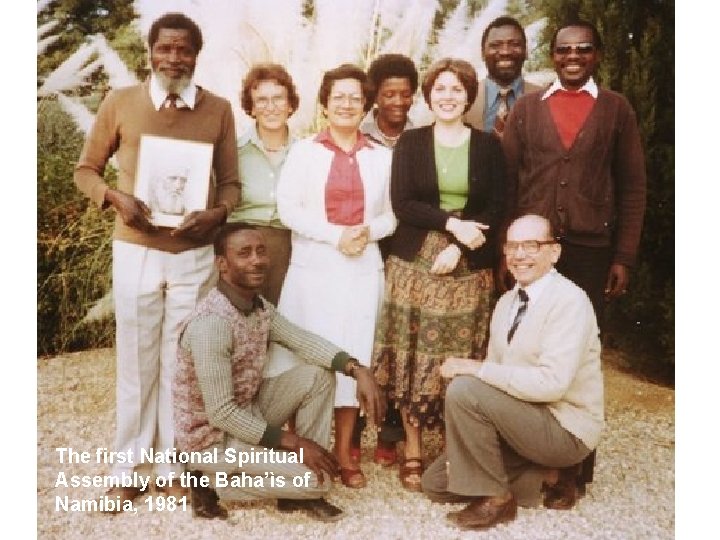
x: 520, y: 313
x: 171, y: 101
x: 503, y: 110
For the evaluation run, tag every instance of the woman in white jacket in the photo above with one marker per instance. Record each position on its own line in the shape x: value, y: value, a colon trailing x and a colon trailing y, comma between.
x: 333, y: 194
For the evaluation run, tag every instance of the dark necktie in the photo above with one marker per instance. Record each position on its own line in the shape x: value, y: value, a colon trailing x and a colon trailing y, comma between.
x: 503, y: 110
x: 520, y: 313
x: 171, y: 101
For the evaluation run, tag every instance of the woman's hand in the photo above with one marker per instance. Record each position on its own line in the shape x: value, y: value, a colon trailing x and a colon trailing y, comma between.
x: 469, y: 233
x: 446, y: 260
x: 353, y: 240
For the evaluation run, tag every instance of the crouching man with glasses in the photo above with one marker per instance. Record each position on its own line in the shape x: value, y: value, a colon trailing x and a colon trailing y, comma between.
x: 532, y: 410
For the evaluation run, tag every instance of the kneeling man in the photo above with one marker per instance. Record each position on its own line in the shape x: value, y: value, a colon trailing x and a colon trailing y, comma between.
x: 536, y: 401
x: 222, y: 403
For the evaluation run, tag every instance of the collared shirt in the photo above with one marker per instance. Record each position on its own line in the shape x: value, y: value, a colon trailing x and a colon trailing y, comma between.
x: 590, y: 87
x: 492, y: 100
x: 534, y: 290
x: 344, y: 191
x: 370, y: 128
x: 242, y: 304
x: 259, y: 176
x: 159, y: 95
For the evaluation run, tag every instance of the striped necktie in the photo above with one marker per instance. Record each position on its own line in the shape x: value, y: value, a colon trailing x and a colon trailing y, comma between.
x: 503, y: 110
x: 520, y: 313
x: 171, y: 101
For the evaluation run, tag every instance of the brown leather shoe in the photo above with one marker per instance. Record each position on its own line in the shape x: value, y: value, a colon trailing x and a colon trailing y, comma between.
x: 205, y: 500
x: 176, y: 490
x: 564, y: 493
x: 483, y: 513
x: 120, y: 496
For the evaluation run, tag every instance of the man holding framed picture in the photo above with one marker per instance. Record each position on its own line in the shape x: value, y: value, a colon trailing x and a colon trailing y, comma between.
x: 159, y: 273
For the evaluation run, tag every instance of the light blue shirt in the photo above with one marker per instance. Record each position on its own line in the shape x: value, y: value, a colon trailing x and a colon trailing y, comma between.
x: 492, y: 100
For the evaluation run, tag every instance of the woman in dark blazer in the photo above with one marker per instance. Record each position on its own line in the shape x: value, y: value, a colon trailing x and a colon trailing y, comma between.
x: 447, y: 191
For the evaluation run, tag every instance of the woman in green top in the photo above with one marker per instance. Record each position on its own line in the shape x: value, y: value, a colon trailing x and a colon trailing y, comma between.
x: 269, y: 96
x: 447, y: 192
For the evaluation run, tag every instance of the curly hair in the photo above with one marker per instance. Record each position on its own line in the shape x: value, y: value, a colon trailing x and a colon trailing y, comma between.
x: 503, y: 21
x: 345, y: 71
x: 268, y: 72
x: 387, y: 66
x: 462, y: 69
x: 176, y: 21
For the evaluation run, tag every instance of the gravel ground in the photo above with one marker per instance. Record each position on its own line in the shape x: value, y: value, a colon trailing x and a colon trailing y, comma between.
x: 632, y: 496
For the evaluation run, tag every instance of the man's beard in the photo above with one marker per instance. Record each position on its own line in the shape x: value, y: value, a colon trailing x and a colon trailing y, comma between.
x: 173, y: 86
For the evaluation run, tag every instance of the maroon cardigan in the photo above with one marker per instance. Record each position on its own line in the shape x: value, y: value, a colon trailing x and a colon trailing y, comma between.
x: 594, y: 193
x: 416, y: 197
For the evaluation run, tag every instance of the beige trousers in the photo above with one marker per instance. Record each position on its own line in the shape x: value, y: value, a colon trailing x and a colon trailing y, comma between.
x: 306, y: 391
x: 153, y: 291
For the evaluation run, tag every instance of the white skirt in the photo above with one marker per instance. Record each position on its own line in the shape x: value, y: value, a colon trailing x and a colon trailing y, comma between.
x: 340, y: 301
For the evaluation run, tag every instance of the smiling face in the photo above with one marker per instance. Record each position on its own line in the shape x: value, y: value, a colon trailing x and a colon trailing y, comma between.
x: 245, y: 262
x: 578, y: 64
x: 345, y: 104
x: 271, y: 107
x: 394, y: 99
x: 527, y: 268
x: 173, y: 58
x: 448, y: 98
x: 504, y: 54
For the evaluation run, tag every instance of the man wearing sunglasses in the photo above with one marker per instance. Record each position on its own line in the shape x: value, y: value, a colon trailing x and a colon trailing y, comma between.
x: 574, y: 155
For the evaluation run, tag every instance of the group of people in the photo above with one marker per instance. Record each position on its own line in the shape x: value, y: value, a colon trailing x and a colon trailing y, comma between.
x: 357, y: 270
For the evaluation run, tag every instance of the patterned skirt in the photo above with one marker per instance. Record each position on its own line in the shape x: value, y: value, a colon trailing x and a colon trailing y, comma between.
x: 425, y: 318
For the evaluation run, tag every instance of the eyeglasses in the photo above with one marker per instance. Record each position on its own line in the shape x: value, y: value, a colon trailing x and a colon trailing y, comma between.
x: 355, y: 100
x: 265, y: 102
x: 530, y: 247
x: 580, y: 48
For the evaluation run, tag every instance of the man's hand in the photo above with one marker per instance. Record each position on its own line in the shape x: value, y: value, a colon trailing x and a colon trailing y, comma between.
x: 452, y: 367
x: 369, y: 395
x: 133, y: 212
x: 315, y: 457
x: 446, y: 260
x: 199, y: 224
x: 618, y: 280
x: 354, y: 239
x: 468, y: 233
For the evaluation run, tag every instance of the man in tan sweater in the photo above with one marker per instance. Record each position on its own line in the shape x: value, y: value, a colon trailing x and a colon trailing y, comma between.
x: 535, y: 404
x: 159, y: 273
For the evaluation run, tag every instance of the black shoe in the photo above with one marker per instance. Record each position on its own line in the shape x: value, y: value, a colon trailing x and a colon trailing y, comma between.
x: 205, y: 501
x: 318, y: 509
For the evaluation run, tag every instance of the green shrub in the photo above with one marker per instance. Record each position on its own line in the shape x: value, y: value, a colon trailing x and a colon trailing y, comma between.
x: 74, y: 241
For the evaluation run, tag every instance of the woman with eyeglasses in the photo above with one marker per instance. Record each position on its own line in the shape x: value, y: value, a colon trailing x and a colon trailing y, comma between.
x: 269, y: 96
x: 333, y: 195
x: 447, y: 191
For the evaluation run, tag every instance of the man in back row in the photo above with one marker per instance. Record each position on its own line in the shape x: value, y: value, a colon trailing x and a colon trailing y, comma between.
x: 158, y: 273
x: 504, y: 51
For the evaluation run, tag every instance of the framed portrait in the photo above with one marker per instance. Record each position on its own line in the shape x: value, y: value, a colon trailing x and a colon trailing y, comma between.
x: 172, y: 177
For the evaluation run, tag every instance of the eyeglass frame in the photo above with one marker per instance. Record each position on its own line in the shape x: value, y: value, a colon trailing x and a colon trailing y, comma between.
x: 524, y: 244
x: 355, y: 100
x: 579, y: 48
x: 276, y: 101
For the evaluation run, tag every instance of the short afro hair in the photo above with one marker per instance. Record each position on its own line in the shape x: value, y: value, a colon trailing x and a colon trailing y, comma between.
x: 499, y: 22
x: 226, y: 231
x: 579, y: 23
x: 387, y: 66
x: 176, y: 21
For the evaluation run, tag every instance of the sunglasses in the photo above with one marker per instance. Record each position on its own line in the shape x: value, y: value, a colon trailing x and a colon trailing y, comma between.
x: 580, y: 48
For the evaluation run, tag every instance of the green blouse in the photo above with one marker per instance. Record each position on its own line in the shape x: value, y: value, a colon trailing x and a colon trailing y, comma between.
x: 452, y: 171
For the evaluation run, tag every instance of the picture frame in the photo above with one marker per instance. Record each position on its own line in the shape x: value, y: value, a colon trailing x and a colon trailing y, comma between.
x: 172, y: 177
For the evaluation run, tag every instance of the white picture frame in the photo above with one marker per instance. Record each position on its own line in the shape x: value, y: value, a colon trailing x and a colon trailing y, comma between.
x: 172, y: 177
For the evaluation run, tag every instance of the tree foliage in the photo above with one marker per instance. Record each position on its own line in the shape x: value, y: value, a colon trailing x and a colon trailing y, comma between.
x: 639, y: 62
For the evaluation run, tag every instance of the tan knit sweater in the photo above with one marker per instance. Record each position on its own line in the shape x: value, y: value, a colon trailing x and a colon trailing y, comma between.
x: 128, y: 113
